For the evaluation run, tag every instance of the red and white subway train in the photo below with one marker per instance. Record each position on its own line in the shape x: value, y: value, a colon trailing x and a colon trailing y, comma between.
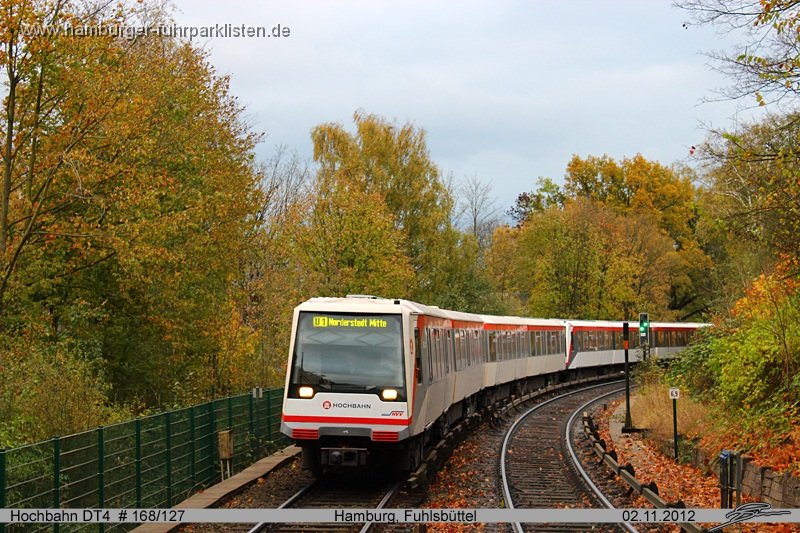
x: 370, y: 378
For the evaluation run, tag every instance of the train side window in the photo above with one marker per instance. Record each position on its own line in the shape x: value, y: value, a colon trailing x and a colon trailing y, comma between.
x: 437, y: 359
x: 466, y: 341
x: 450, y: 357
x: 492, y: 346
x: 456, y: 351
x: 442, y: 354
x: 516, y: 344
x: 429, y: 354
x: 473, y: 347
x: 465, y: 348
x: 523, y: 344
x: 417, y: 356
x: 501, y: 347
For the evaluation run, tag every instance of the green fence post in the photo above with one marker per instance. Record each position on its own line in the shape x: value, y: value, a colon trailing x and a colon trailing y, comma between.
x: 252, y: 424
x: 269, y: 416
x: 212, y: 445
x: 192, y: 447
x: 101, y: 472
x: 56, y: 478
x: 138, y: 425
x: 250, y: 406
x: 168, y: 456
x: 230, y: 412
x: 3, y: 485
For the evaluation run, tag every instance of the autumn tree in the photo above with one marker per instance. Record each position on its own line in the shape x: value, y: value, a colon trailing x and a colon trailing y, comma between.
x: 393, y: 163
x: 636, y: 184
x: 546, y: 195
x: 476, y: 210
x: 765, y: 65
x: 586, y: 261
x: 272, y: 276
x: 350, y: 244
x: 131, y: 193
x: 501, y: 268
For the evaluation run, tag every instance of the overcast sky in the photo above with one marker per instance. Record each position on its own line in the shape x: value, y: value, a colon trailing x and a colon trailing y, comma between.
x: 506, y: 90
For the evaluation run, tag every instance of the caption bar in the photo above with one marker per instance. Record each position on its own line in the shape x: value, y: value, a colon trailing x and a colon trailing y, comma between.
x: 756, y: 513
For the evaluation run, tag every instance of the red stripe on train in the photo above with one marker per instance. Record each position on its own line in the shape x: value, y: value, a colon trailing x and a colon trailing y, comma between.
x: 387, y: 421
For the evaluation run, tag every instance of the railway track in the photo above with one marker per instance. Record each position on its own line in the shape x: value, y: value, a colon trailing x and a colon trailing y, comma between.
x: 540, y: 467
x: 369, y: 490
x: 353, y: 491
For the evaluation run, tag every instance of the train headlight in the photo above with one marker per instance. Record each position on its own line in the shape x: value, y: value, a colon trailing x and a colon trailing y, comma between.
x: 306, y: 392
x: 389, y: 394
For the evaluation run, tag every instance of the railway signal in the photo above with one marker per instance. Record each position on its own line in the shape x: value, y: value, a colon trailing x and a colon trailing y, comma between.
x: 644, y: 326
x: 644, y: 334
x: 628, y: 427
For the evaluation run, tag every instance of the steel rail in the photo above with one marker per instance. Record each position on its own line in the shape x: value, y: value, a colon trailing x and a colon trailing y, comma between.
x: 296, y: 496
x: 579, y: 467
x: 383, y: 502
x: 509, y: 502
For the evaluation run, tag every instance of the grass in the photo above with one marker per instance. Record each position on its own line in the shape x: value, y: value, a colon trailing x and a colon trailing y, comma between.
x: 651, y: 408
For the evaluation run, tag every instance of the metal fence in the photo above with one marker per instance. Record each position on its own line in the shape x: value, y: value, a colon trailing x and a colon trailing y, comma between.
x: 155, y: 461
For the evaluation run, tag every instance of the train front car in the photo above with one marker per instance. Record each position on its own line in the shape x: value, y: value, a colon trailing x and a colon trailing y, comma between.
x: 347, y: 394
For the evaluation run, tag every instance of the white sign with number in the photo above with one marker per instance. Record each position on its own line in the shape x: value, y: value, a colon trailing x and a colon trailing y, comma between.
x: 674, y: 393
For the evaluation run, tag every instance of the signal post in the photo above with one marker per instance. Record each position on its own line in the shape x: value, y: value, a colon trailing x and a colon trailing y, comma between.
x: 628, y: 427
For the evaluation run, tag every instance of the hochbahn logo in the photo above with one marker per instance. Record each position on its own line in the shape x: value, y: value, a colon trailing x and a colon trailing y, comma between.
x: 327, y: 405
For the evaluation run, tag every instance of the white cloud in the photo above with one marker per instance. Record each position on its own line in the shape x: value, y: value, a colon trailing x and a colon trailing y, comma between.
x: 508, y: 90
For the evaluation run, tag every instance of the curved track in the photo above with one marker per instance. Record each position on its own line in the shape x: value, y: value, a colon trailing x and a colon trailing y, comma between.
x: 539, y: 467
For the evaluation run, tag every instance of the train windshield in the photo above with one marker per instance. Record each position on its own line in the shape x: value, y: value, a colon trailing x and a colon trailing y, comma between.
x: 348, y: 352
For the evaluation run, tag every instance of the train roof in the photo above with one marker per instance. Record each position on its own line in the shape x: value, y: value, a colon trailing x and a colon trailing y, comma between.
x: 634, y: 323
x: 464, y: 317
x: 362, y: 303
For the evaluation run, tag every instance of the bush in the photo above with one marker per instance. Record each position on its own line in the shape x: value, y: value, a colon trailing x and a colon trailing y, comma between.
x: 52, y: 390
